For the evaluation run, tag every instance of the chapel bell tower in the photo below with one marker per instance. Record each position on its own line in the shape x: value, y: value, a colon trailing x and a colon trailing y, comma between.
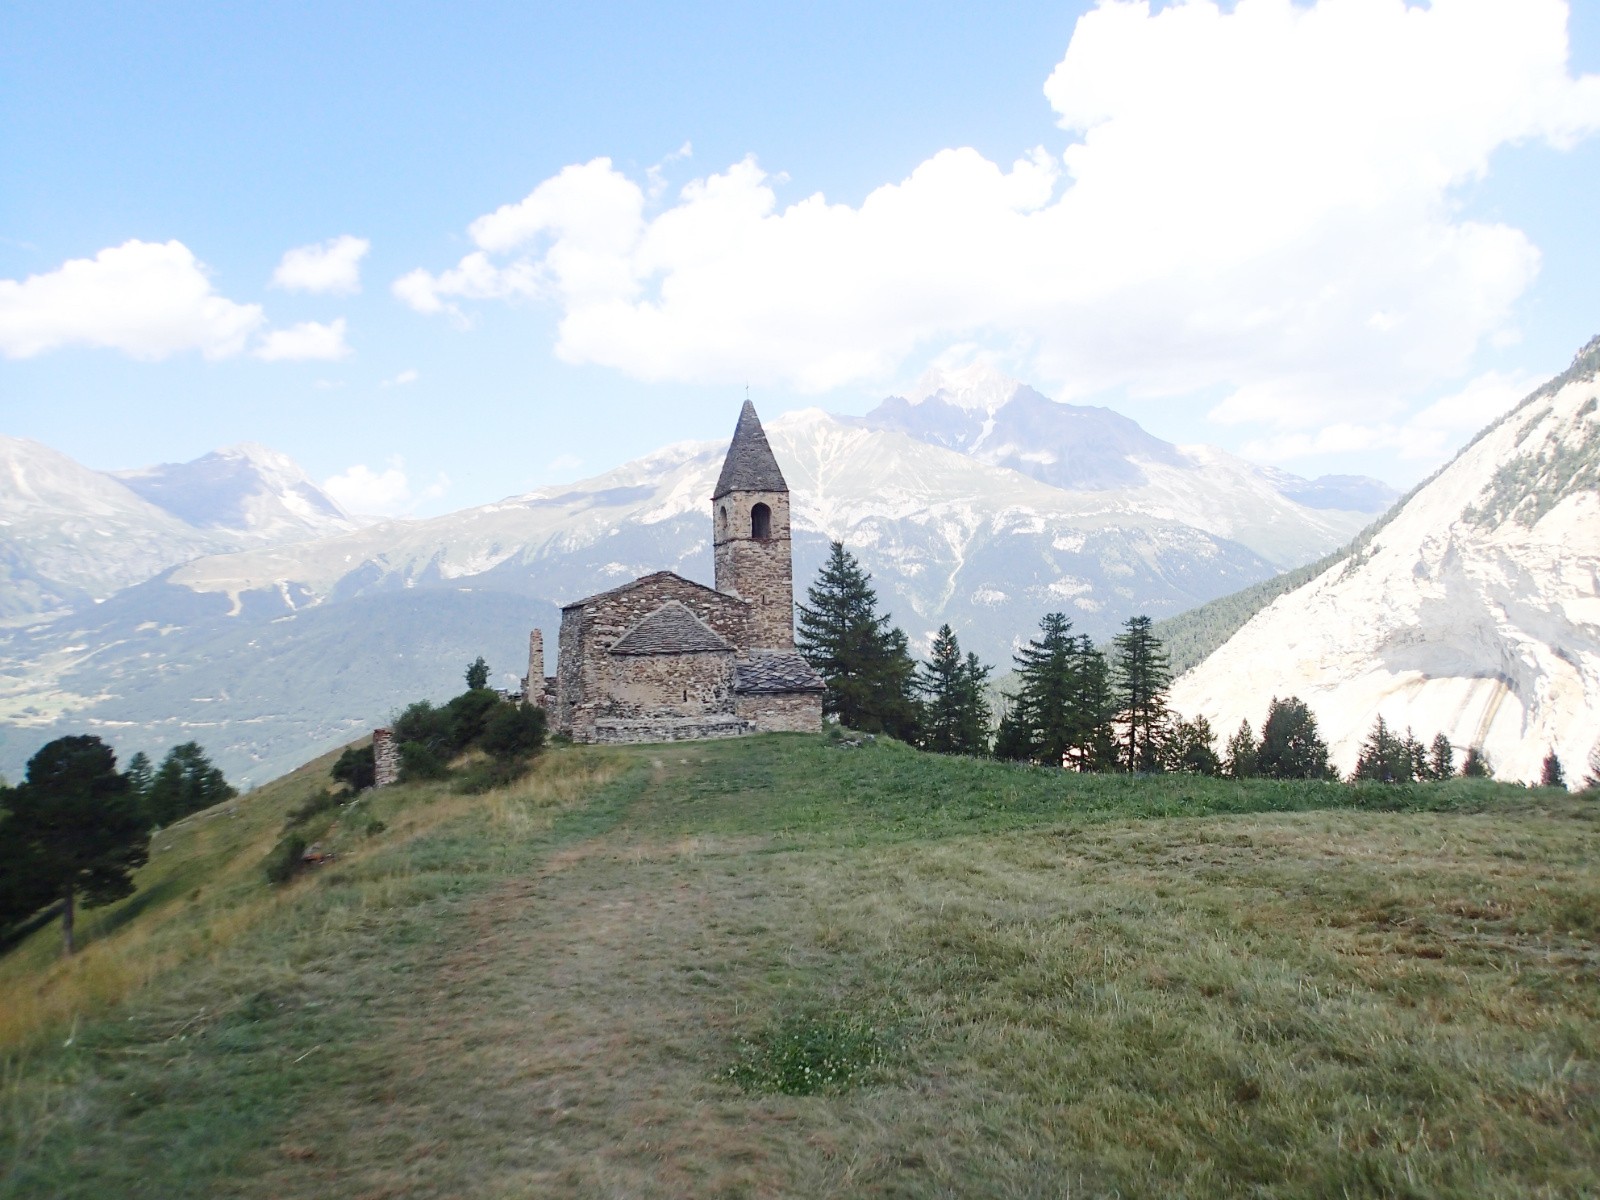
x: 750, y: 520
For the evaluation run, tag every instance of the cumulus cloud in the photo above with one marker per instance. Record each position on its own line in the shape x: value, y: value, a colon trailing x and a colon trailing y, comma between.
x: 1262, y: 200
x: 1429, y: 436
x: 331, y: 266
x: 309, y: 340
x: 387, y: 493
x: 409, y: 375
x: 149, y: 300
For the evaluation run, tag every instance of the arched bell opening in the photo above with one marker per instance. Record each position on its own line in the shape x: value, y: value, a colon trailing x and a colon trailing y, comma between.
x: 761, y: 522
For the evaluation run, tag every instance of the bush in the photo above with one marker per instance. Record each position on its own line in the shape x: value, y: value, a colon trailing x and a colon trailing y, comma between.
x: 419, y: 761
x: 491, y: 773
x: 356, y: 769
x: 285, y: 860
x: 514, y: 731
x: 424, y: 724
x: 468, y: 713
x: 321, y: 802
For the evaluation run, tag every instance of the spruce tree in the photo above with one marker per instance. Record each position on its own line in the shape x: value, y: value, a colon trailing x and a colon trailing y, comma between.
x: 1477, y: 765
x: 184, y: 783
x: 1046, y: 702
x: 140, y: 775
x: 1191, y: 748
x: 1441, y: 758
x: 1141, y: 676
x: 1243, y: 753
x: 955, y: 712
x: 1094, y: 734
x: 1384, y: 758
x: 1291, y: 747
x: 1013, y: 740
x: 870, y: 674
x: 1552, y: 775
x: 75, y: 827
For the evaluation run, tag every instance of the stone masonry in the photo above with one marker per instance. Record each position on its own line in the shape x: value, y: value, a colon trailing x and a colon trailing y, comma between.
x: 666, y: 659
x: 385, y: 758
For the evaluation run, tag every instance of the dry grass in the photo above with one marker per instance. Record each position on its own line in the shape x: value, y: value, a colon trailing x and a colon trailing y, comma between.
x: 537, y: 992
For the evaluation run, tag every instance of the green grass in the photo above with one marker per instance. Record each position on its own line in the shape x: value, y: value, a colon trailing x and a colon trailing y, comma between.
x: 613, y: 977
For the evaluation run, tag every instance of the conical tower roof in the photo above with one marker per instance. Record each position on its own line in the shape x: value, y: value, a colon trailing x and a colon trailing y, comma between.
x: 750, y: 466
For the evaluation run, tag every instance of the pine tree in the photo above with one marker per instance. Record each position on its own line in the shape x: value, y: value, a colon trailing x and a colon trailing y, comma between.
x: 1242, y: 753
x: 1291, y: 747
x: 955, y: 712
x: 1141, y: 677
x: 76, y: 828
x: 1477, y: 765
x: 1441, y: 758
x: 184, y: 783
x: 1552, y: 776
x: 1013, y: 740
x: 870, y: 674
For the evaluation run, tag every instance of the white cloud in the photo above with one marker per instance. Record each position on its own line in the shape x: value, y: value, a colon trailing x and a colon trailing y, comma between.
x: 409, y: 375
x: 331, y: 266
x: 305, y: 341
x: 1429, y: 436
x: 149, y: 300
x: 1261, y: 200
x: 387, y: 493
x: 563, y: 464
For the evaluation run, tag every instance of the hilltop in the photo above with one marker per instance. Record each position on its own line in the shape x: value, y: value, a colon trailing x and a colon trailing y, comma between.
x: 613, y: 977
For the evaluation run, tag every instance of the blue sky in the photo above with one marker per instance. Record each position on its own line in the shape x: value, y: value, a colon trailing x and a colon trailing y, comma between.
x: 1334, y: 237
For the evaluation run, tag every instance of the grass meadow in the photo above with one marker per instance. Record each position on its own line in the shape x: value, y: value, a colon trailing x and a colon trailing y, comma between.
x: 785, y: 966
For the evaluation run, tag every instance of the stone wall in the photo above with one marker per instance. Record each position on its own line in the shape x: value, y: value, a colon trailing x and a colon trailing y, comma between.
x: 758, y: 570
x: 533, y: 688
x: 594, y: 684
x: 385, y: 758
x: 792, y: 712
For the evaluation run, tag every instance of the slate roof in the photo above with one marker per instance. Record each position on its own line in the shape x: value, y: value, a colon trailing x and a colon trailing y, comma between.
x: 750, y: 466
x: 776, y: 671
x: 670, y: 629
x: 642, y: 581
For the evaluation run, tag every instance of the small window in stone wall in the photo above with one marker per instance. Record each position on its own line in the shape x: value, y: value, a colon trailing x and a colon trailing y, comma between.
x: 722, y: 520
x: 761, y: 522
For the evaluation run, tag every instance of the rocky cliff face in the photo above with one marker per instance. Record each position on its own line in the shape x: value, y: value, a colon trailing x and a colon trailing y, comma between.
x: 1474, y: 609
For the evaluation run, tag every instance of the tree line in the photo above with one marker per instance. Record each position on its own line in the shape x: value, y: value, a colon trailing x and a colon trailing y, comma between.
x: 75, y: 829
x: 1074, y: 704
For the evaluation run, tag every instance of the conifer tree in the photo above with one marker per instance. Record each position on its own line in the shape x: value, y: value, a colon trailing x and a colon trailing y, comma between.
x: 1552, y: 775
x: 184, y: 783
x: 140, y: 775
x: 1191, y: 748
x: 1094, y: 734
x: 477, y: 674
x: 1141, y: 677
x: 1591, y: 781
x: 1476, y: 765
x: 1013, y: 740
x: 870, y: 674
x: 1046, y: 702
x: 1242, y: 753
x: 75, y: 827
x: 955, y: 711
x: 1291, y: 747
x: 1384, y: 758
x: 1441, y: 758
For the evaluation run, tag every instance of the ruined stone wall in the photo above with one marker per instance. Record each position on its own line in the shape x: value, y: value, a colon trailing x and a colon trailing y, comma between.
x: 569, y: 672
x: 758, y: 570
x: 792, y: 712
x: 385, y: 758
x: 533, y: 689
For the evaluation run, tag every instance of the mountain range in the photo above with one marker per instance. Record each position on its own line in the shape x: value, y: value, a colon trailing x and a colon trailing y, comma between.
x: 1472, y: 609
x: 264, y: 621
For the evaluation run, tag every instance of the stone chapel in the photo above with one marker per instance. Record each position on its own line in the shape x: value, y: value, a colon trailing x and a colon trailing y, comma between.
x: 666, y: 659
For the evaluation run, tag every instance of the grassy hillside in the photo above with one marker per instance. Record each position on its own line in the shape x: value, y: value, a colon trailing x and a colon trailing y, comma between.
x: 618, y: 977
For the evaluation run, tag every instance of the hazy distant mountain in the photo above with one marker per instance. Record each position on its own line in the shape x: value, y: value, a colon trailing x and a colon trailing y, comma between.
x: 70, y: 536
x: 269, y: 655
x: 245, y: 489
x: 1472, y: 610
